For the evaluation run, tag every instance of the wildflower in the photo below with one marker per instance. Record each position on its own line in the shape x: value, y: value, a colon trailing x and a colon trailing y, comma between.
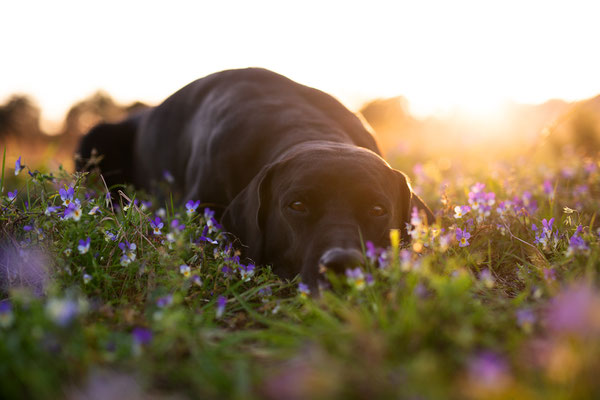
x: 369, y: 280
x: 126, y: 207
x: 463, y: 237
x: 84, y: 246
x: 576, y: 243
x: 303, y: 290
x: 371, y: 252
x: 213, y: 225
x: 18, y: 166
x: 128, y: 252
x: 156, y: 225
x: 94, y: 210
x: 196, y: 280
x: 486, y: 278
x: 488, y: 371
x: 247, y: 271
x: 459, y: 211
x: 87, y: 278
x: 356, y: 278
x: 50, y: 210
x: 177, y: 226
x: 161, y: 212
x: 145, y: 205
x: 265, y: 292
x: 27, y: 228
x: 108, y: 198
x: 191, y: 207
x: 548, y: 189
x: 67, y: 195
x: 204, y: 237
x: 185, y: 270
x: 6, y: 314
x: 73, y: 211
x: 383, y: 260
x: 503, y: 207
x: 12, y: 195
x: 168, y: 177
x: 164, y: 301
x: 109, y: 236
x: 576, y: 310
x: 549, y: 274
x: 405, y: 260
x: 525, y: 319
x: 221, y: 302
x: 67, y: 251
x: 141, y: 336
x: 62, y: 311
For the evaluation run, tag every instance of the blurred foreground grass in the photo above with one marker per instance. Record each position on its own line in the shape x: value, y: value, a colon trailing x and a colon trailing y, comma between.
x: 131, y: 298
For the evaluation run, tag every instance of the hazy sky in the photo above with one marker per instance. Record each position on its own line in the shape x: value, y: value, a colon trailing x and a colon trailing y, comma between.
x: 439, y: 54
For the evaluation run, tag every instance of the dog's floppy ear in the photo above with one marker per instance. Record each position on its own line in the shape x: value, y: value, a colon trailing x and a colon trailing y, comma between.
x: 416, y: 201
x: 245, y: 215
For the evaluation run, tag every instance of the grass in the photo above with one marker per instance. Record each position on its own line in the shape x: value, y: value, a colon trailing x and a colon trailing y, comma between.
x: 513, y: 314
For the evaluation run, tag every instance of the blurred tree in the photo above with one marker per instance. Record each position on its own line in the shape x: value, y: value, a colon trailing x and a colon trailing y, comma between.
x: 20, y: 119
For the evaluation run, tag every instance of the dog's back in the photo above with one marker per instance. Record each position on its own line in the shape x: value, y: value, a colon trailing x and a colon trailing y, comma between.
x: 215, y: 134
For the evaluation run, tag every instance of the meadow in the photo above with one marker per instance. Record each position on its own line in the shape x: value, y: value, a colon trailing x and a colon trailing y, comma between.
x: 138, y: 297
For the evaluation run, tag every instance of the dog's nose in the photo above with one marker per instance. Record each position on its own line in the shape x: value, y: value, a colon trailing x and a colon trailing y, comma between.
x: 339, y: 259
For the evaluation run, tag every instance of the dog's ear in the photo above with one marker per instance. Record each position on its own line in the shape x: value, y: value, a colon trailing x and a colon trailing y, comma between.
x: 245, y: 215
x: 416, y: 201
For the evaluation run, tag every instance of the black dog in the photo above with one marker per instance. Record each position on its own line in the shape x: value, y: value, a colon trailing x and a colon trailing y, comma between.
x: 299, y: 177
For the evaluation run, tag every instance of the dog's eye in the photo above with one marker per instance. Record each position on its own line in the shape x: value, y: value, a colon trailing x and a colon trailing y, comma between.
x: 377, y: 211
x: 298, y: 206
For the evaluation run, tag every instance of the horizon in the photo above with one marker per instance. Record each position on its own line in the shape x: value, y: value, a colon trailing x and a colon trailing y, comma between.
x: 442, y: 58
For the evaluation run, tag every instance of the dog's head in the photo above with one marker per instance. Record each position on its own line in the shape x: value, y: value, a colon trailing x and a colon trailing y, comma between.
x: 315, y: 206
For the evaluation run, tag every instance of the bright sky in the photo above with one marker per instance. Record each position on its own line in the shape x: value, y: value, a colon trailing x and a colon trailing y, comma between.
x: 442, y: 55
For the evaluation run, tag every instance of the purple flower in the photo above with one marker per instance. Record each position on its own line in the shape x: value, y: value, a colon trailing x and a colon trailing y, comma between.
x: 168, y: 177
x: 208, y: 213
x: 459, y: 211
x: 462, y: 237
x: 247, y: 272
x: 303, y: 290
x: 191, y: 207
x: 6, y: 314
x: 488, y: 370
x: 549, y: 188
x: 221, y: 303
x: 141, y: 335
x: 371, y: 251
x: 156, y: 225
x: 356, y: 278
x: 62, y: 311
x: 146, y: 205
x: 28, y: 228
x: 84, y: 246
x: 67, y: 195
x: 266, y: 291
x: 576, y: 310
x: 485, y: 276
x: 128, y: 252
x: 51, y: 210
x: 73, y: 211
x: 525, y: 318
x: 12, y: 195
x: 576, y: 243
x: 18, y: 166
x: 164, y: 301
x: 196, y: 280
x: 226, y: 271
x: 204, y: 237
x: 176, y: 225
